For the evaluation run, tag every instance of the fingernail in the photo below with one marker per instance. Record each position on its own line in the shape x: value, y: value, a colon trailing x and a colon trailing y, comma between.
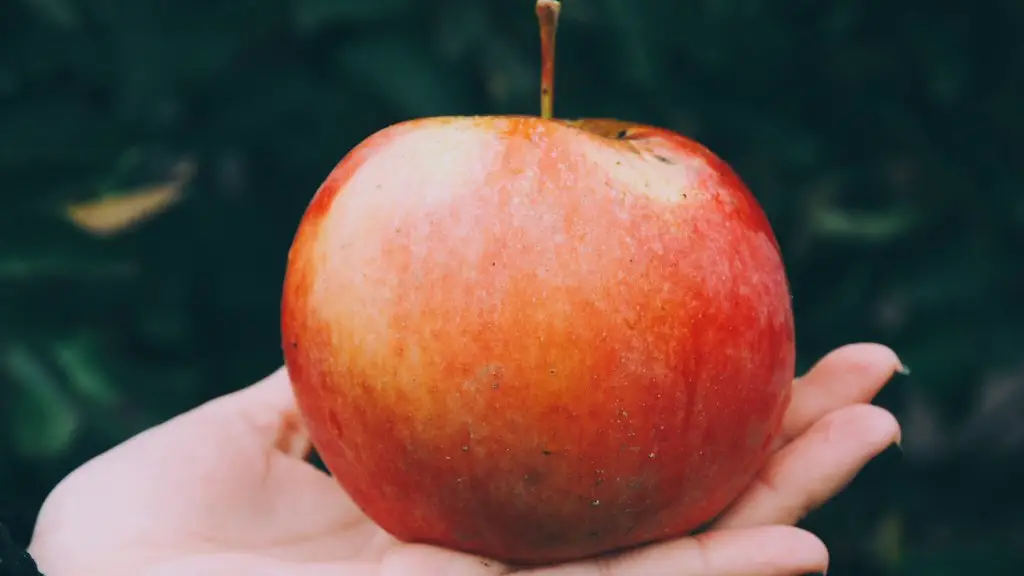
x: 901, y: 368
x: 898, y: 440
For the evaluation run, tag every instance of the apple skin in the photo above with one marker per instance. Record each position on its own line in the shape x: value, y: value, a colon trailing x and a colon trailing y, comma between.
x: 537, y: 340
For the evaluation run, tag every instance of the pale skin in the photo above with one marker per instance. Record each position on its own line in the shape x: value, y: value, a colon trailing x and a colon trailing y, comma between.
x: 224, y: 490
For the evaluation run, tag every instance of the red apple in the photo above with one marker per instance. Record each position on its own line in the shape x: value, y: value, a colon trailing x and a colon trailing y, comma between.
x: 535, y: 339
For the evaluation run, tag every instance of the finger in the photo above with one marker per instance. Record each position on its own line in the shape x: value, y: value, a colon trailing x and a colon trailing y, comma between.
x: 765, y: 551
x: 814, y: 467
x: 300, y: 498
x: 852, y: 374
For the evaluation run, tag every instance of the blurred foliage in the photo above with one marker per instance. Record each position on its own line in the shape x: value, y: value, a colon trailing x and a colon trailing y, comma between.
x: 883, y: 139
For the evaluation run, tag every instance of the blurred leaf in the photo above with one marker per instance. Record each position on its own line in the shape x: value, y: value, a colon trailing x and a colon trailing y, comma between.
x: 80, y: 360
x: 27, y: 268
x: 42, y: 417
x: 862, y: 226
x: 889, y: 539
x: 403, y: 73
x: 311, y: 15
x: 61, y: 13
x: 118, y: 211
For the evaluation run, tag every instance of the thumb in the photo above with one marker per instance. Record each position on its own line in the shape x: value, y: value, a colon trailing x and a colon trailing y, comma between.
x: 266, y: 410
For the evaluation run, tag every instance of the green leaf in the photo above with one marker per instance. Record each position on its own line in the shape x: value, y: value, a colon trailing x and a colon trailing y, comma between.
x: 42, y: 417
x: 26, y: 268
x: 861, y: 226
x: 80, y: 359
x: 311, y: 15
x: 404, y: 74
x: 60, y: 13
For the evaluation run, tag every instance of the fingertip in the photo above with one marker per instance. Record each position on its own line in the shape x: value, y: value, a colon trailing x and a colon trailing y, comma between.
x: 848, y: 438
x: 767, y: 550
x: 808, y: 548
x: 814, y: 467
x: 863, y: 357
x: 805, y: 550
x: 874, y: 424
x: 851, y: 374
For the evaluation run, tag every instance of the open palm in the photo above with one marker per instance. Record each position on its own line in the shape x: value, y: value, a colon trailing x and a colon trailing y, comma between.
x: 224, y: 490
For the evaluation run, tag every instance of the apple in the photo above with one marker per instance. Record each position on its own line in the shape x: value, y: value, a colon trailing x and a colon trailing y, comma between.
x: 536, y: 339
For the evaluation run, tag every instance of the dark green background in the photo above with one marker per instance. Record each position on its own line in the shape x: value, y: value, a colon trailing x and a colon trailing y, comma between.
x: 884, y: 139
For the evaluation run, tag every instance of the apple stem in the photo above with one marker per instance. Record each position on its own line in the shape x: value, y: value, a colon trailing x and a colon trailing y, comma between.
x: 547, y: 14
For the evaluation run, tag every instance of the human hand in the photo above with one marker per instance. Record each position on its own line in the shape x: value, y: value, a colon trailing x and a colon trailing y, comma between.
x: 224, y: 490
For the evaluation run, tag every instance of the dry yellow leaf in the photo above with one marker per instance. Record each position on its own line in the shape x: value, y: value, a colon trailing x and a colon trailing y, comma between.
x: 115, y: 213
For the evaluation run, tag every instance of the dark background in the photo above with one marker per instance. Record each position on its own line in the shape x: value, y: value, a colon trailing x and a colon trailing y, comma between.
x: 884, y: 140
